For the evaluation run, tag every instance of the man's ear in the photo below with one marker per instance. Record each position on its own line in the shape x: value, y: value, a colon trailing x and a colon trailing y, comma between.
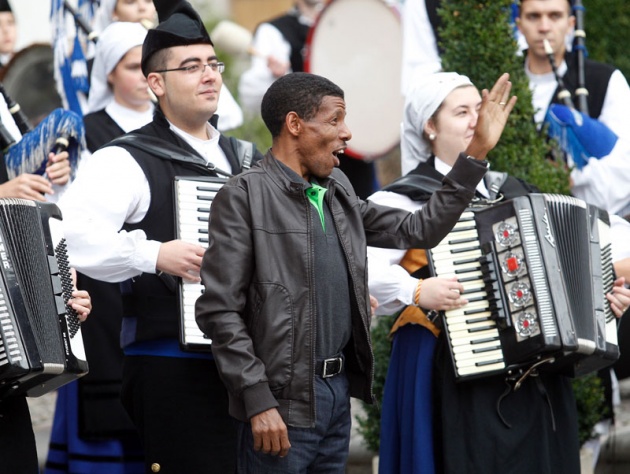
x: 155, y: 81
x: 293, y: 123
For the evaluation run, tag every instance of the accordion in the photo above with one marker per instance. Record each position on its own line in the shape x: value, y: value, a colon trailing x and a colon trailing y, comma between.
x: 41, y: 347
x: 535, y: 271
x: 193, y: 198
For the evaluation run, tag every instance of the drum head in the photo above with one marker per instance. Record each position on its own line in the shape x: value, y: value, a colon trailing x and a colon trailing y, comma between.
x: 357, y: 44
x: 29, y: 79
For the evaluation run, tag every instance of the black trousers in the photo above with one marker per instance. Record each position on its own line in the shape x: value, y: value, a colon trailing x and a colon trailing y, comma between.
x: 18, y: 454
x: 180, y: 408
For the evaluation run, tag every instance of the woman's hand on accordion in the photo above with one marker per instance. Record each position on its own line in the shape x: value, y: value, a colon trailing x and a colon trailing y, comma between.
x: 441, y: 294
x: 58, y: 168
x: 26, y: 186
x: 81, y: 303
x: 619, y: 297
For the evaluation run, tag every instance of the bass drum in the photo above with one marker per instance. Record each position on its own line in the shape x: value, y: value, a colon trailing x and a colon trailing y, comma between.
x: 357, y: 44
x: 29, y: 79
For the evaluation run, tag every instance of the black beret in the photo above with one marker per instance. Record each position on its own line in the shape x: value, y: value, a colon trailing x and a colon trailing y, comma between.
x: 179, y: 26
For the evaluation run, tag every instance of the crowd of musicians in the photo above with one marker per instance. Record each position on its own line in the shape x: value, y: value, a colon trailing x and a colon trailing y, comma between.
x: 301, y: 250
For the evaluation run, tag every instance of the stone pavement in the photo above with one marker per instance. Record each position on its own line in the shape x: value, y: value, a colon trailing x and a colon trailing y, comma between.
x: 614, y: 457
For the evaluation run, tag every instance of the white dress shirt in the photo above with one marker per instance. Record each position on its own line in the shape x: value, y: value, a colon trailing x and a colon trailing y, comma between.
x: 110, y: 190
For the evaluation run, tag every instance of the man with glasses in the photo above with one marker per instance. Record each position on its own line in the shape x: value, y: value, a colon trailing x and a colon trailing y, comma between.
x: 175, y: 398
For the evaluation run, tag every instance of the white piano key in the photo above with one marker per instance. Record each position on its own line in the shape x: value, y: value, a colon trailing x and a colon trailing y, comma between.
x: 495, y: 344
x: 469, y: 338
x: 472, y: 370
x: 465, y: 360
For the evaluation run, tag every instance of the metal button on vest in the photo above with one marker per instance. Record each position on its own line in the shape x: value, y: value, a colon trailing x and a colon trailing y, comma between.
x: 155, y: 467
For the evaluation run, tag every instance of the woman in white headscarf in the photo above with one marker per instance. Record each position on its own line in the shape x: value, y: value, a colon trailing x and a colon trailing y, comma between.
x: 143, y: 11
x: 119, y: 100
x: 429, y: 423
x: 91, y: 431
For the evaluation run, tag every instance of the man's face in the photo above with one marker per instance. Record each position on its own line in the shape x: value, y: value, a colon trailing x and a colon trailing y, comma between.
x: 134, y: 10
x: 550, y: 19
x: 8, y: 33
x: 189, y: 96
x: 323, y: 138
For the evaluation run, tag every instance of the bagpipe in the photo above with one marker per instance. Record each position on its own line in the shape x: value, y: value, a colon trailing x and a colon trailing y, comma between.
x: 61, y: 130
x: 580, y: 136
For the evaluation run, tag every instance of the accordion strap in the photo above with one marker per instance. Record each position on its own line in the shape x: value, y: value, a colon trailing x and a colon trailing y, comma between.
x: 165, y: 150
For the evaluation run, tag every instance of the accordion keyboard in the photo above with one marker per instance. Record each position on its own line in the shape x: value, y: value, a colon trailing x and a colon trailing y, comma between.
x: 472, y: 332
x: 194, y: 198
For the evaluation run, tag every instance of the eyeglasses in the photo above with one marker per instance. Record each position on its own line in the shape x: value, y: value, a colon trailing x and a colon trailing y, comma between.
x: 197, y: 68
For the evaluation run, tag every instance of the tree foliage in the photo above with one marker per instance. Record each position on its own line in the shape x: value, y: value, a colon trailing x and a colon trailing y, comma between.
x: 478, y: 41
x: 607, y: 26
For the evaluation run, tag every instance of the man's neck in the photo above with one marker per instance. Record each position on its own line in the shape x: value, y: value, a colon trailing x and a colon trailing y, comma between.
x: 541, y: 64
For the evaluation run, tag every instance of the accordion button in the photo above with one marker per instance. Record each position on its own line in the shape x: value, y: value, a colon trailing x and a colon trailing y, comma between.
x: 155, y: 467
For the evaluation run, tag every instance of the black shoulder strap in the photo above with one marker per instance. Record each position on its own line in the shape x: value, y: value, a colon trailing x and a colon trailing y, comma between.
x: 417, y: 187
x: 244, y: 152
x: 164, y: 149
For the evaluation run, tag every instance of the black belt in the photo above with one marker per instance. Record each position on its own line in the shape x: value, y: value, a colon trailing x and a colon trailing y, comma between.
x: 329, y: 367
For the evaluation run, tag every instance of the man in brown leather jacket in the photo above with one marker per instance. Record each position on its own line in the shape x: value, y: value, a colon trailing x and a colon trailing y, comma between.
x: 286, y: 301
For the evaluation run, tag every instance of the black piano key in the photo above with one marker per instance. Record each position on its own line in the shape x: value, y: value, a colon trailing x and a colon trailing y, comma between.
x: 467, y: 279
x: 481, y: 328
x: 203, y: 219
x: 465, y: 249
x: 476, y: 320
x: 484, y: 340
x: 466, y: 270
x: 203, y: 209
x: 462, y: 241
x: 204, y: 198
x: 489, y: 362
x: 486, y: 349
x: 476, y: 311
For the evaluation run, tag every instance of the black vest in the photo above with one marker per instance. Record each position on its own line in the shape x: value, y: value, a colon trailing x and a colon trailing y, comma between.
x: 597, y: 77
x: 295, y: 34
x: 421, y: 182
x: 152, y: 301
x: 100, y: 128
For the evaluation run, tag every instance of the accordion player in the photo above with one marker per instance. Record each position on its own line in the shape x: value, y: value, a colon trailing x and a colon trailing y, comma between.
x: 535, y: 270
x: 41, y: 347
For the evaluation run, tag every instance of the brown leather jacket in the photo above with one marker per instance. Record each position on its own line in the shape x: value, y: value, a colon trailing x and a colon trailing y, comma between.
x: 259, y: 307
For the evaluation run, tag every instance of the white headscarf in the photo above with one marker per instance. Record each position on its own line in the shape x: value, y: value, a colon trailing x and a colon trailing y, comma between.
x: 422, y: 102
x: 113, y: 43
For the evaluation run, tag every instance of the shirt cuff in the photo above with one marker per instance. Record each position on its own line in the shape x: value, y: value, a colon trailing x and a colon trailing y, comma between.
x: 145, y: 258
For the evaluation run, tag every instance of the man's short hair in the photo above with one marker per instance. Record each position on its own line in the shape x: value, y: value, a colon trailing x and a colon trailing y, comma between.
x: 520, y: 2
x: 297, y: 92
x: 158, y: 60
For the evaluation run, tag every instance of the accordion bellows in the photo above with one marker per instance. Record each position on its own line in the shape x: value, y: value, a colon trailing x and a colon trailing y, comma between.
x: 41, y: 347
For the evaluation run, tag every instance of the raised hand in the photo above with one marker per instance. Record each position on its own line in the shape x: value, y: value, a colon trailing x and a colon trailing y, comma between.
x: 496, y: 106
